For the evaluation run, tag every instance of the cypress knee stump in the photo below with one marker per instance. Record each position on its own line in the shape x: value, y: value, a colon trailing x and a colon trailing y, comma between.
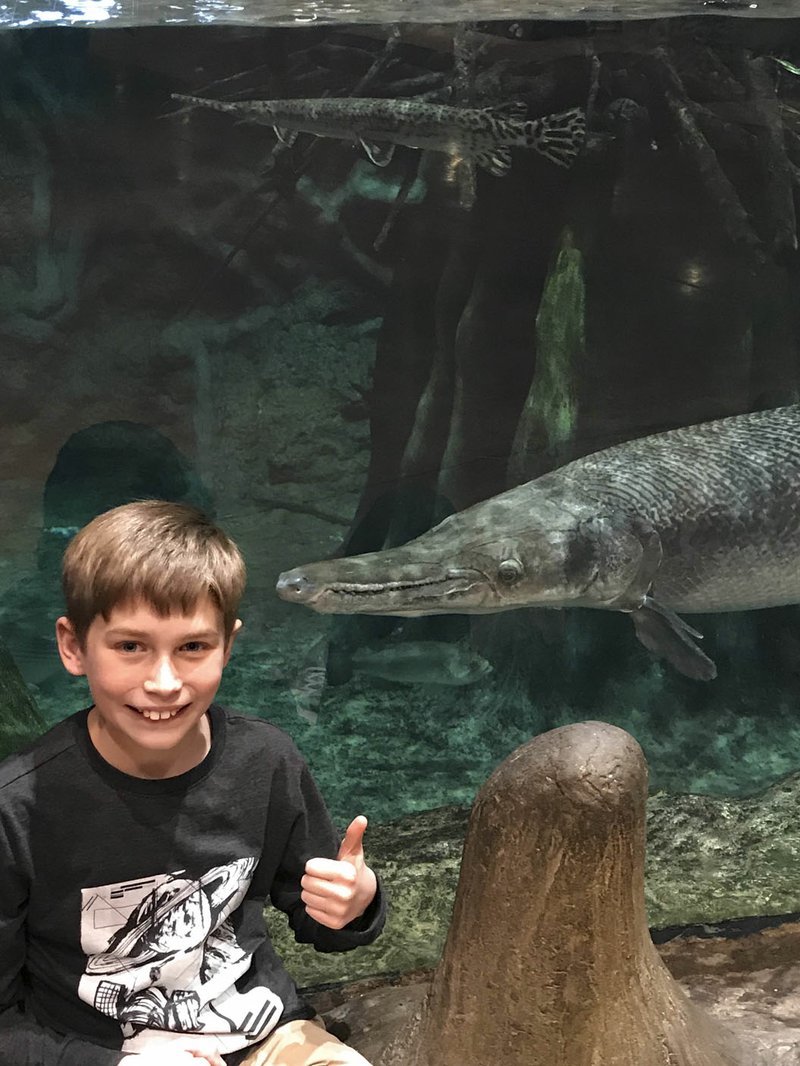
x: 549, y: 960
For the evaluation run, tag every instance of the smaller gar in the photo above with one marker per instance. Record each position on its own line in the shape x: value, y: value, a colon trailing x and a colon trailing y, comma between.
x: 484, y: 135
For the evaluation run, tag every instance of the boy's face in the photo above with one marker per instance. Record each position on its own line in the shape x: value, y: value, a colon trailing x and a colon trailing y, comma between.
x: 152, y: 679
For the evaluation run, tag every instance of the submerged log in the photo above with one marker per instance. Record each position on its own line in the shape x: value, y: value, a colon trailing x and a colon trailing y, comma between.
x: 549, y: 958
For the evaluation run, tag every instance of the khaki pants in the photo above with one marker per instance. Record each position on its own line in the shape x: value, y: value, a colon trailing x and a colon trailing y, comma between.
x: 303, y: 1043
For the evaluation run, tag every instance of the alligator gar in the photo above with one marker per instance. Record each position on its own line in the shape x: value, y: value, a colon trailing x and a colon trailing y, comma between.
x: 485, y: 135
x: 705, y: 518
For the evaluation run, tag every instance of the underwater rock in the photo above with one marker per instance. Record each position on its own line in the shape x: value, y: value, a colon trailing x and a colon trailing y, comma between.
x: 548, y: 958
x: 624, y: 529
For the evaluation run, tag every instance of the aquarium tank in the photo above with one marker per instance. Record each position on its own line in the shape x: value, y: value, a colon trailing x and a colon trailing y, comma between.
x: 337, y: 275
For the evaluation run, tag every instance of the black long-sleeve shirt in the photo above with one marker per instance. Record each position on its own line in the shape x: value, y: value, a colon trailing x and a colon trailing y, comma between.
x: 131, y: 910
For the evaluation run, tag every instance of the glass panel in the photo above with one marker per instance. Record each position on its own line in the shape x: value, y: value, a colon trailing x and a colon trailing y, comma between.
x: 440, y: 288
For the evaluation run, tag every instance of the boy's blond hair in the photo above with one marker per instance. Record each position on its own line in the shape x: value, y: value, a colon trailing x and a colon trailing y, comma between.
x: 167, y: 555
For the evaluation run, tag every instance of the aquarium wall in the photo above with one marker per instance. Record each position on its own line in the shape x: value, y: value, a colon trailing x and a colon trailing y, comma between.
x: 333, y: 328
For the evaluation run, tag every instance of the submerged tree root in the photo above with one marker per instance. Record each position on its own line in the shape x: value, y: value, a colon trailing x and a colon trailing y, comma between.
x: 720, y: 189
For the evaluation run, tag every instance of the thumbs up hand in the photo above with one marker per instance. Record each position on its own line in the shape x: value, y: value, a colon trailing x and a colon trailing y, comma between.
x: 335, y: 891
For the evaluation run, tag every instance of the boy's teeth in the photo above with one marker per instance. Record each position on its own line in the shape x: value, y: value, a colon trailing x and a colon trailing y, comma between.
x: 159, y: 714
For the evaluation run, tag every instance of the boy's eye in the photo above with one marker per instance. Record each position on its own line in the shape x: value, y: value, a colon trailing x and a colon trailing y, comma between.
x: 128, y: 645
x: 194, y: 645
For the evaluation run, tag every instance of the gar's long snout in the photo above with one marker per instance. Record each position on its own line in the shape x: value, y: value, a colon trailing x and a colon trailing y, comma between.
x: 295, y: 586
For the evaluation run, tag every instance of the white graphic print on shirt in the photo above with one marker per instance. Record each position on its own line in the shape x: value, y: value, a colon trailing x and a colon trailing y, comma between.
x: 163, y: 960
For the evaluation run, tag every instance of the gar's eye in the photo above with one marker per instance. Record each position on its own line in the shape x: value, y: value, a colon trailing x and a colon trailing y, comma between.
x: 509, y: 571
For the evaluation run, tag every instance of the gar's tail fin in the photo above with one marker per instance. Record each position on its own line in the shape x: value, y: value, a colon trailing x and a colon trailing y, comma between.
x: 559, y: 137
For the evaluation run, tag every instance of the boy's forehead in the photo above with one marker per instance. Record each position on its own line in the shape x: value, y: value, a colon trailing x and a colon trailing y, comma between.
x: 140, y: 614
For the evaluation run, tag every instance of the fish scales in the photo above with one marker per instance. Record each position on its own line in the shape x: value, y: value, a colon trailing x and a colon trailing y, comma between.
x: 731, y: 479
x: 703, y: 518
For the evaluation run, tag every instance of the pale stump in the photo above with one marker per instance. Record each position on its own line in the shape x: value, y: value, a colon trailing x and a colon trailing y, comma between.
x: 548, y: 960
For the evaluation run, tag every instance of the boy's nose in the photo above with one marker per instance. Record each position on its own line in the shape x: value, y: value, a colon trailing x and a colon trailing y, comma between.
x: 165, y: 679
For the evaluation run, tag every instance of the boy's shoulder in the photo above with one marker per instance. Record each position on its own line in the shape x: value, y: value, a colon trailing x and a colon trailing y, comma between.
x: 258, y: 747
x: 51, y: 746
x: 250, y: 729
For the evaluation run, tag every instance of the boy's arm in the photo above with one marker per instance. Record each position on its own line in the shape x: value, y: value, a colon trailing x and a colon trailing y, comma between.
x: 22, y: 1041
x: 313, y: 837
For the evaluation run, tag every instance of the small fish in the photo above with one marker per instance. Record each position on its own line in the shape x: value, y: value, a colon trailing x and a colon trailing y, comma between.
x: 422, y: 662
x: 482, y: 135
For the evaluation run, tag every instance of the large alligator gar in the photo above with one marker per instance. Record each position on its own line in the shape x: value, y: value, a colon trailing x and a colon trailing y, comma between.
x: 485, y: 135
x: 704, y: 518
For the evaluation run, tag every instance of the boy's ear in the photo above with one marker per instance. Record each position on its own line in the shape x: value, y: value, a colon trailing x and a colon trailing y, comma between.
x: 237, y: 625
x: 69, y: 647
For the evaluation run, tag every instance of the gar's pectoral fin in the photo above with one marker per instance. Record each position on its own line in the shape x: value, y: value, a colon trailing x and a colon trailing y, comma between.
x: 496, y: 160
x: 637, y: 552
x: 285, y: 136
x: 378, y: 153
x: 668, y: 637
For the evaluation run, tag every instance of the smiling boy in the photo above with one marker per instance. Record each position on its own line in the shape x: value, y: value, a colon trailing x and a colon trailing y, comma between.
x: 140, y: 839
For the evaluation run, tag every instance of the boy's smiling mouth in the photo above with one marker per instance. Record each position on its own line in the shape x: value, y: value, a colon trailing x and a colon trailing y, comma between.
x: 158, y: 713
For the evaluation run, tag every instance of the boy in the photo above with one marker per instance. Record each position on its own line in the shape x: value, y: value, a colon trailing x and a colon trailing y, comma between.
x: 139, y: 840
